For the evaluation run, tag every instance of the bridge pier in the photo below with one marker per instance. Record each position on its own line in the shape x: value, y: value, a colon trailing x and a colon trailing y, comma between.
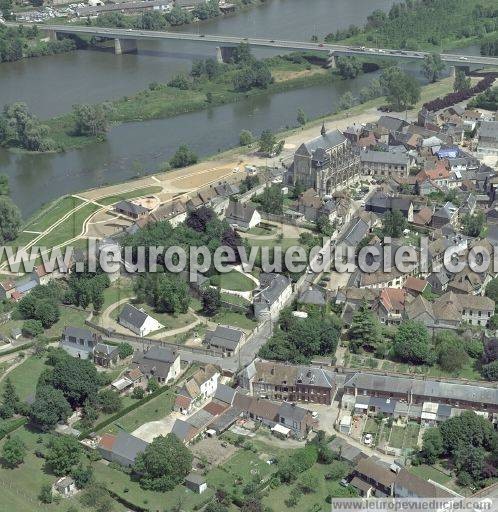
x: 124, y: 46
x: 52, y: 35
x: 331, y: 62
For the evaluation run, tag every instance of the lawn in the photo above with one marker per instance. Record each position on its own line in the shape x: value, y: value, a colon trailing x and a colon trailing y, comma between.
x: 132, y: 194
x: 234, y: 281
x: 154, y: 410
x: 121, y: 483
x: 226, y: 317
x: 69, y: 229
x: 52, y: 213
x: 430, y: 473
x: 21, y: 486
x: 234, y: 299
x: 25, y: 376
x: 397, y: 436
x: 371, y: 427
x: 120, y: 289
x: 411, y: 436
x: 262, y: 229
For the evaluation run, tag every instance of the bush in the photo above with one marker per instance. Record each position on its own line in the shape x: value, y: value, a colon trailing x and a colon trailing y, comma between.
x: 32, y: 328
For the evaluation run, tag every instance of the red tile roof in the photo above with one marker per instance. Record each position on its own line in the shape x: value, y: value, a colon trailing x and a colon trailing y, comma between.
x: 107, y: 442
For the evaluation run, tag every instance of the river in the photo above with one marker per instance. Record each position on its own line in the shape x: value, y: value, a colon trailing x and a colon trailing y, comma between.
x: 51, y: 85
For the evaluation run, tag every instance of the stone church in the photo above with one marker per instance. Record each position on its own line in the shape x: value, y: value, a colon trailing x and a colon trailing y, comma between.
x: 326, y: 163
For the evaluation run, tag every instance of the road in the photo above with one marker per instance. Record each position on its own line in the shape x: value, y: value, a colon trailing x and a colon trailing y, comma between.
x: 267, y: 43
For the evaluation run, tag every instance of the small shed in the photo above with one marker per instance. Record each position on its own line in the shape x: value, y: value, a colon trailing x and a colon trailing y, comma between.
x: 345, y: 425
x: 15, y: 333
x: 65, y: 486
x: 280, y: 430
x: 195, y: 483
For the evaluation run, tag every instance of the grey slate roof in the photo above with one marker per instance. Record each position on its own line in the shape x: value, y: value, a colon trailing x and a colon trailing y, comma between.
x: 427, y: 388
x: 384, y: 157
x: 356, y: 233
x: 128, y: 446
x: 489, y: 129
x: 312, y: 296
x: 225, y: 337
x: 270, y: 294
x: 331, y: 139
x: 288, y: 410
x: 239, y: 212
x: 105, y: 349
x: 181, y: 429
x: 224, y: 394
x: 131, y: 208
x: 78, y: 332
x: 164, y: 355
x: 133, y: 316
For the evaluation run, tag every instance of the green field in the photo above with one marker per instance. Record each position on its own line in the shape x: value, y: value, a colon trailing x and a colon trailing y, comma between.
x: 52, y: 213
x: 397, y: 436
x: 234, y: 299
x: 120, y: 289
x: 69, y: 229
x: 430, y: 473
x: 154, y: 410
x: 25, y: 376
x: 234, y: 281
x: 226, y: 317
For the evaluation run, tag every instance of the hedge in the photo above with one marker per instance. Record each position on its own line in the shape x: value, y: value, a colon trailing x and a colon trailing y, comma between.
x: 10, y: 425
x: 17, y: 349
x: 123, y: 412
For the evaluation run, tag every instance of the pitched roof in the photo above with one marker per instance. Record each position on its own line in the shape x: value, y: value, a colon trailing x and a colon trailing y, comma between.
x: 415, y: 284
x: 224, y: 394
x: 418, y: 486
x: 131, y: 208
x: 372, y: 469
x: 78, y: 332
x: 239, y: 212
x: 132, y: 315
x: 225, y: 337
x: 330, y: 139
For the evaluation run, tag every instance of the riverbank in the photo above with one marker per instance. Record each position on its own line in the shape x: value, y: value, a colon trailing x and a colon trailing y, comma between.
x: 162, y: 101
x: 215, y: 166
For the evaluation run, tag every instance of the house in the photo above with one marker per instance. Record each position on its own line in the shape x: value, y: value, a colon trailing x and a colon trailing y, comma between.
x: 438, y: 281
x: 184, y: 431
x: 130, y: 209
x: 183, y: 404
x: 416, y: 391
x: 390, y: 306
x: 447, y: 214
x: 175, y: 213
x: 372, y: 478
x: 65, y: 486
x: 295, y: 418
x: 7, y: 288
x: 385, y: 163
x: 274, y: 293
x: 79, y: 342
x: 415, y: 286
x: 309, y: 204
x: 138, y: 321
x: 225, y: 340
x: 105, y: 355
x: 381, y: 203
x: 487, y: 139
x: 15, y: 333
x: 122, y: 448
x: 206, y: 379
x: 242, y: 216
x: 293, y: 383
x: 159, y: 363
x: 313, y: 296
x: 346, y: 451
x: 195, y: 483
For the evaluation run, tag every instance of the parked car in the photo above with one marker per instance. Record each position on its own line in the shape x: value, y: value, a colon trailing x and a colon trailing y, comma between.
x: 368, y: 439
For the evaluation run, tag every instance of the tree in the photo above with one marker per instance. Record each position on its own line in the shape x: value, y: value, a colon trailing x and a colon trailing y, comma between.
x: 490, y: 371
x: 10, y: 400
x: 433, y: 66
x: 365, y: 330
x: 267, y: 142
x: 346, y: 101
x: 432, y: 447
x: 4, y: 185
x: 271, y: 200
x: 49, y: 407
x: 82, y: 475
x: 152, y: 385
x: 401, y: 89
x: 125, y: 350
x: 10, y: 220
x: 301, y: 117
x: 14, y: 451
x: 324, y: 226
x: 63, y: 454
x: 97, y: 497
x: 109, y: 401
x: 473, y: 224
x: 92, y: 120
x: 32, y: 328
x: 47, y: 313
x: 164, y: 463
x: 348, y: 67
x: 151, y: 20
x: 451, y: 353
x: 76, y: 378
x: 178, y: 16
x: 211, y: 301
x: 411, y: 343
x: 462, y: 81
x: 45, y: 495
x: 180, y: 81
x: 308, y: 482
x: 183, y: 157
x: 245, y: 138
x: 394, y: 224
x: 138, y: 393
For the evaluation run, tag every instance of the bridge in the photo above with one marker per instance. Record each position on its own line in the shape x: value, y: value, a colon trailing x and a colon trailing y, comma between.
x: 125, y: 41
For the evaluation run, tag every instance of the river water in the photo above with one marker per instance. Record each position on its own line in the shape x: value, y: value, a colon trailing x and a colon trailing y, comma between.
x: 51, y: 85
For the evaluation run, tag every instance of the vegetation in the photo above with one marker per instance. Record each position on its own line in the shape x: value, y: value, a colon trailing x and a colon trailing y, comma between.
x: 165, y: 293
x: 271, y: 200
x: 487, y: 100
x: 298, y: 339
x: 401, y: 89
x: 411, y: 343
x: 433, y: 66
x: 183, y: 157
x: 91, y: 120
x: 462, y: 81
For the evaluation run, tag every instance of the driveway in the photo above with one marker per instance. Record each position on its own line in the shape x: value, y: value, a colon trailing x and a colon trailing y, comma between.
x: 148, y: 431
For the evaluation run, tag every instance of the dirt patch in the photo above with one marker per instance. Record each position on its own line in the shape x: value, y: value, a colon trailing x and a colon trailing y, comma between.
x: 212, y: 451
x: 149, y: 202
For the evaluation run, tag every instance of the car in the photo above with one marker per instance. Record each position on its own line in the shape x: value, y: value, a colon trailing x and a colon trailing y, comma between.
x: 368, y: 439
x: 321, y: 45
x: 463, y: 58
x: 314, y: 414
x: 202, y: 35
x: 272, y: 40
x: 344, y: 482
x: 380, y: 50
x: 362, y: 204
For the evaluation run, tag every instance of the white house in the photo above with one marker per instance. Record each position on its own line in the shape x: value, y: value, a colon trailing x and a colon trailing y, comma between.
x: 138, y: 321
x: 275, y: 291
x: 242, y: 216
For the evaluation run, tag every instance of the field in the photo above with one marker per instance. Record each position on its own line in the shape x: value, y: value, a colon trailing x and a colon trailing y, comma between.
x: 52, y: 213
x: 234, y: 281
x: 25, y: 376
x: 226, y: 317
x: 146, y: 191
x: 430, y: 473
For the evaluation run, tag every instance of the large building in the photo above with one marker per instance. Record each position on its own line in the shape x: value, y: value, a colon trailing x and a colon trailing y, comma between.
x: 326, y: 163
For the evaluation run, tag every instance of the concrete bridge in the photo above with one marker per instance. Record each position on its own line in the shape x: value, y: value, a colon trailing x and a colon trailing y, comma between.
x: 126, y: 42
